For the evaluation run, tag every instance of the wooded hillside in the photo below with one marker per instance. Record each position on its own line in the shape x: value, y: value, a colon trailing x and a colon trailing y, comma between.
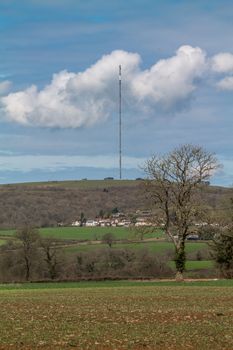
x: 47, y: 204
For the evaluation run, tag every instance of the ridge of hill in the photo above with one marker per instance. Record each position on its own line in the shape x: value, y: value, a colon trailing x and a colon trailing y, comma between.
x: 80, y: 184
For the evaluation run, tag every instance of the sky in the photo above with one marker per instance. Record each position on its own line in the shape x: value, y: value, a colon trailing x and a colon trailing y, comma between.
x: 59, y: 64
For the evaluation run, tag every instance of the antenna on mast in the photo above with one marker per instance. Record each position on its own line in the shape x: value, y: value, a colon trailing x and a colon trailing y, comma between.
x: 120, y: 150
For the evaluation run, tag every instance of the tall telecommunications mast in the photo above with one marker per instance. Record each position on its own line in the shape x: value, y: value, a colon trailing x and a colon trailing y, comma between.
x: 120, y: 150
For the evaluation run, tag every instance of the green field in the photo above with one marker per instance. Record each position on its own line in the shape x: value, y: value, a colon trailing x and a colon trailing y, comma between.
x: 196, y: 265
x: 152, y: 246
x: 6, y: 233
x: 118, y: 284
x: 92, y: 233
x: 117, y: 315
x: 87, y: 233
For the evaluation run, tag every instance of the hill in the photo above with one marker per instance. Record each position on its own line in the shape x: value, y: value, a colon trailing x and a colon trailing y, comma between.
x: 46, y: 204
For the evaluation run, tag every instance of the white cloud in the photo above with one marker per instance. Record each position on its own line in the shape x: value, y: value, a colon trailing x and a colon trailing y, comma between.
x: 226, y: 83
x: 222, y: 63
x: 82, y: 99
x: 171, y: 80
x: 4, y: 87
x: 26, y: 163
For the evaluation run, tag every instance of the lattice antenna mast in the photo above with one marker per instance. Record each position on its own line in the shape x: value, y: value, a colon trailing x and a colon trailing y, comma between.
x: 120, y: 126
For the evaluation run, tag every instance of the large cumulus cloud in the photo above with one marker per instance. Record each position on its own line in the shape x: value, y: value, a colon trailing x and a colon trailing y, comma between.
x: 85, y: 98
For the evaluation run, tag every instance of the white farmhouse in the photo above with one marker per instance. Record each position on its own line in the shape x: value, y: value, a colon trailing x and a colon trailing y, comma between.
x: 92, y: 223
x: 75, y: 223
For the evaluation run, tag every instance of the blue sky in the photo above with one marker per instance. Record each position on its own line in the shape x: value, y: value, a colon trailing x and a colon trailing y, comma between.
x: 66, y: 126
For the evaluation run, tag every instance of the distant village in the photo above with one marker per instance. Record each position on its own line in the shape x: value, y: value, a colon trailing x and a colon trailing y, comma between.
x: 118, y: 219
x: 141, y: 218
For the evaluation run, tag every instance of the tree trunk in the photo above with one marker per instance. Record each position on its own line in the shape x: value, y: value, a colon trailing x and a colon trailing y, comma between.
x: 180, y: 259
x: 179, y: 276
x: 27, y: 265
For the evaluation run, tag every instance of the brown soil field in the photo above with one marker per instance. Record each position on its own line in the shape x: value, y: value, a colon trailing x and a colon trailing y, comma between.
x: 144, y: 317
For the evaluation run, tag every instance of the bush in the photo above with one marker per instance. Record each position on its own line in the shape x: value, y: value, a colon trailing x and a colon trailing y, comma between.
x: 222, y: 253
x: 31, y: 258
x: 121, y: 263
x: 109, y: 239
x: 207, y: 232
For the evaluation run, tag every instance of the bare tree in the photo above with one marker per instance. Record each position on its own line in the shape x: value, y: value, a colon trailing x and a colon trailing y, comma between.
x: 28, y: 238
x: 50, y: 256
x: 109, y: 239
x: 173, y: 181
x: 142, y: 231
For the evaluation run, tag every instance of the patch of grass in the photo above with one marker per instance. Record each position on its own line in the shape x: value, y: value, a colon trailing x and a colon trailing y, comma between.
x: 119, y: 317
x: 7, y: 232
x: 152, y: 246
x: 115, y: 284
x: 196, y: 265
x: 87, y: 233
x: 202, y: 264
x: 92, y: 233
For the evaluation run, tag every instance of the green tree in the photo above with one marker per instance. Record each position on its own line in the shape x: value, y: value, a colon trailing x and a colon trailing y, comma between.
x: 101, y: 214
x: 115, y: 210
x: 222, y: 252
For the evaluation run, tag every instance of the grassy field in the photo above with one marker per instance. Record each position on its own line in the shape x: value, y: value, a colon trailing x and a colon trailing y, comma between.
x: 196, y: 265
x: 152, y: 246
x: 93, y: 233
x: 87, y: 233
x: 6, y: 233
x: 117, y: 315
x: 118, y: 284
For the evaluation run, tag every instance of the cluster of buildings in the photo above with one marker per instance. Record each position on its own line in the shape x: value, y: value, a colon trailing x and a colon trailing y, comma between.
x: 140, y: 218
